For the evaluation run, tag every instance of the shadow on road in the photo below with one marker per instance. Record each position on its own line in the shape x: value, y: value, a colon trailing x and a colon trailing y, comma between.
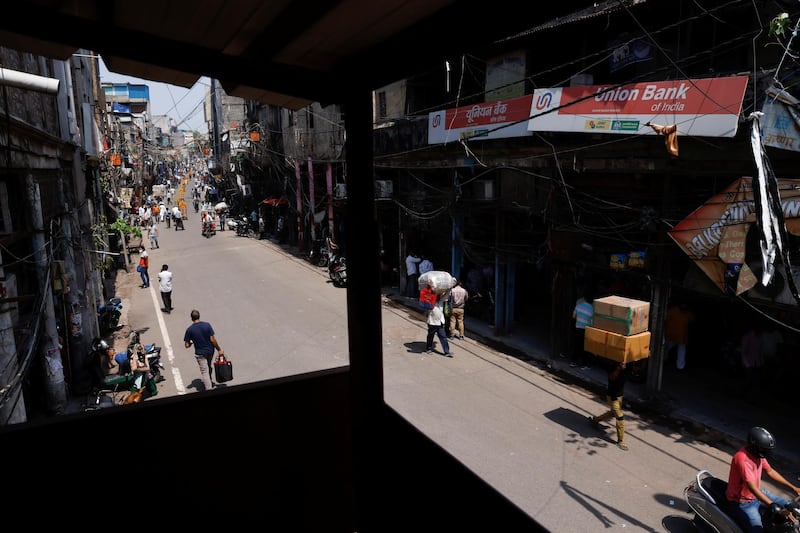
x: 678, y: 524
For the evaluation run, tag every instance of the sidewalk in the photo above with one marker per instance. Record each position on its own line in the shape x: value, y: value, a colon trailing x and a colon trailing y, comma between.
x: 695, y: 401
x: 686, y: 400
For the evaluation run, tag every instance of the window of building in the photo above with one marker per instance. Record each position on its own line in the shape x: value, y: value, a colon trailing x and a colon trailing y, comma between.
x: 382, y: 104
x: 5, y: 213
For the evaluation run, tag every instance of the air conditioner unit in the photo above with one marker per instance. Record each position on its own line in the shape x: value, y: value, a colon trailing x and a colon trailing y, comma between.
x: 484, y: 190
x: 340, y: 191
x: 384, y: 188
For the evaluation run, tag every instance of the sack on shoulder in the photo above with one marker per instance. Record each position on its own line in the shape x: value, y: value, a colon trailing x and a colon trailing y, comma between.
x: 138, y: 268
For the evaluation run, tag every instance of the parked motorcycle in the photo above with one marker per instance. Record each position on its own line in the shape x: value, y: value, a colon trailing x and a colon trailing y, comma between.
x: 337, y: 266
x: 241, y: 225
x: 108, y: 315
x: 150, y: 352
x: 706, y: 499
x: 317, y: 255
x: 139, y: 371
x: 337, y: 271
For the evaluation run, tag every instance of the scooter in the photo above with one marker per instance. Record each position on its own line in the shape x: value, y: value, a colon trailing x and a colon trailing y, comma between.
x: 706, y: 499
x: 108, y: 315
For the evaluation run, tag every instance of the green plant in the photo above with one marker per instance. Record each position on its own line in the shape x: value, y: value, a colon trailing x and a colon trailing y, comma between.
x: 777, y: 26
x: 125, y: 228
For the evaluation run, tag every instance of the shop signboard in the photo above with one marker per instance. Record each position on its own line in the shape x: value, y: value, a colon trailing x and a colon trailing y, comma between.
x: 487, y: 120
x: 707, y: 107
x: 780, y: 125
x: 715, y: 235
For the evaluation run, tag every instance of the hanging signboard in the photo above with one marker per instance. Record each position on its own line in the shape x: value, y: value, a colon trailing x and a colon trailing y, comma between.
x: 707, y: 107
x: 715, y: 235
x: 780, y: 125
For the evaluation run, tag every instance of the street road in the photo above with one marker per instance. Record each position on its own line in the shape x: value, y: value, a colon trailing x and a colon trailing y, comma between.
x: 514, y: 424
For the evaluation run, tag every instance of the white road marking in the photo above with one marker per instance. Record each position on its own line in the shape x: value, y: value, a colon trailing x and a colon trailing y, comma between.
x: 176, y: 373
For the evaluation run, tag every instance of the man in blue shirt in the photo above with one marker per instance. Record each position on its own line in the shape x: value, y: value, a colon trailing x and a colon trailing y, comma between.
x: 201, y: 334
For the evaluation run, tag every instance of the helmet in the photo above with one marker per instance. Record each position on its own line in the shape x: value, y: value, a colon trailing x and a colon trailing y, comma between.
x: 760, y: 441
x: 99, y: 345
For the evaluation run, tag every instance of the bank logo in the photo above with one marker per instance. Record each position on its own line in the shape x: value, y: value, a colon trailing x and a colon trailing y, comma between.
x: 544, y: 100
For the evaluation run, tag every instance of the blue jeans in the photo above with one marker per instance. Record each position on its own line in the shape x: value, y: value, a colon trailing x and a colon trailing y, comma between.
x: 750, y: 512
x: 145, y: 277
x: 440, y: 331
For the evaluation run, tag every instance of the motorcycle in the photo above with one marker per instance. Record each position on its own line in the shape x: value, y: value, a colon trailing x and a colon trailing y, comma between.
x: 151, y: 352
x: 337, y: 271
x: 139, y: 372
x: 208, y: 228
x: 316, y: 255
x: 337, y: 266
x: 706, y: 499
x: 108, y: 315
x: 241, y: 224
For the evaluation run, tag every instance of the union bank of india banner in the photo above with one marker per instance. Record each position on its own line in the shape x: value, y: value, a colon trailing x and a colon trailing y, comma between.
x: 707, y: 107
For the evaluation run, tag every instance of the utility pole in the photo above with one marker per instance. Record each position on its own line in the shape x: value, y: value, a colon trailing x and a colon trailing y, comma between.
x: 51, y: 352
x: 215, y: 125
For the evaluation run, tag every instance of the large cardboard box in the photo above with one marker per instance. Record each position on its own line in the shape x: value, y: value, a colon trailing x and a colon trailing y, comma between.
x: 619, y: 348
x: 622, y: 315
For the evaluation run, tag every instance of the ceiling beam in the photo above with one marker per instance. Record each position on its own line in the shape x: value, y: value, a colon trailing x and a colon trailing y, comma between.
x: 109, y: 40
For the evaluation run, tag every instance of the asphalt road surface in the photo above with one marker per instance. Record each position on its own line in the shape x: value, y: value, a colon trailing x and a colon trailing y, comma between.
x: 514, y: 424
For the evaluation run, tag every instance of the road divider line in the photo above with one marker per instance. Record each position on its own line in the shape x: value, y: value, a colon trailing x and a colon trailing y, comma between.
x: 176, y: 373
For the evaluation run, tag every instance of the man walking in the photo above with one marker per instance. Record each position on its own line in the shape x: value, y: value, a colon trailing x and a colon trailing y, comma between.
x: 458, y: 300
x: 436, y: 327
x: 144, y: 267
x: 165, y: 286
x: 152, y: 230
x: 201, y: 334
x: 616, y: 386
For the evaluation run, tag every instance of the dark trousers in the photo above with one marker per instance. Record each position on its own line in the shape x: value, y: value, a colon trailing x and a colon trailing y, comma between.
x: 411, y: 285
x: 441, y: 333
x: 166, y: 297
